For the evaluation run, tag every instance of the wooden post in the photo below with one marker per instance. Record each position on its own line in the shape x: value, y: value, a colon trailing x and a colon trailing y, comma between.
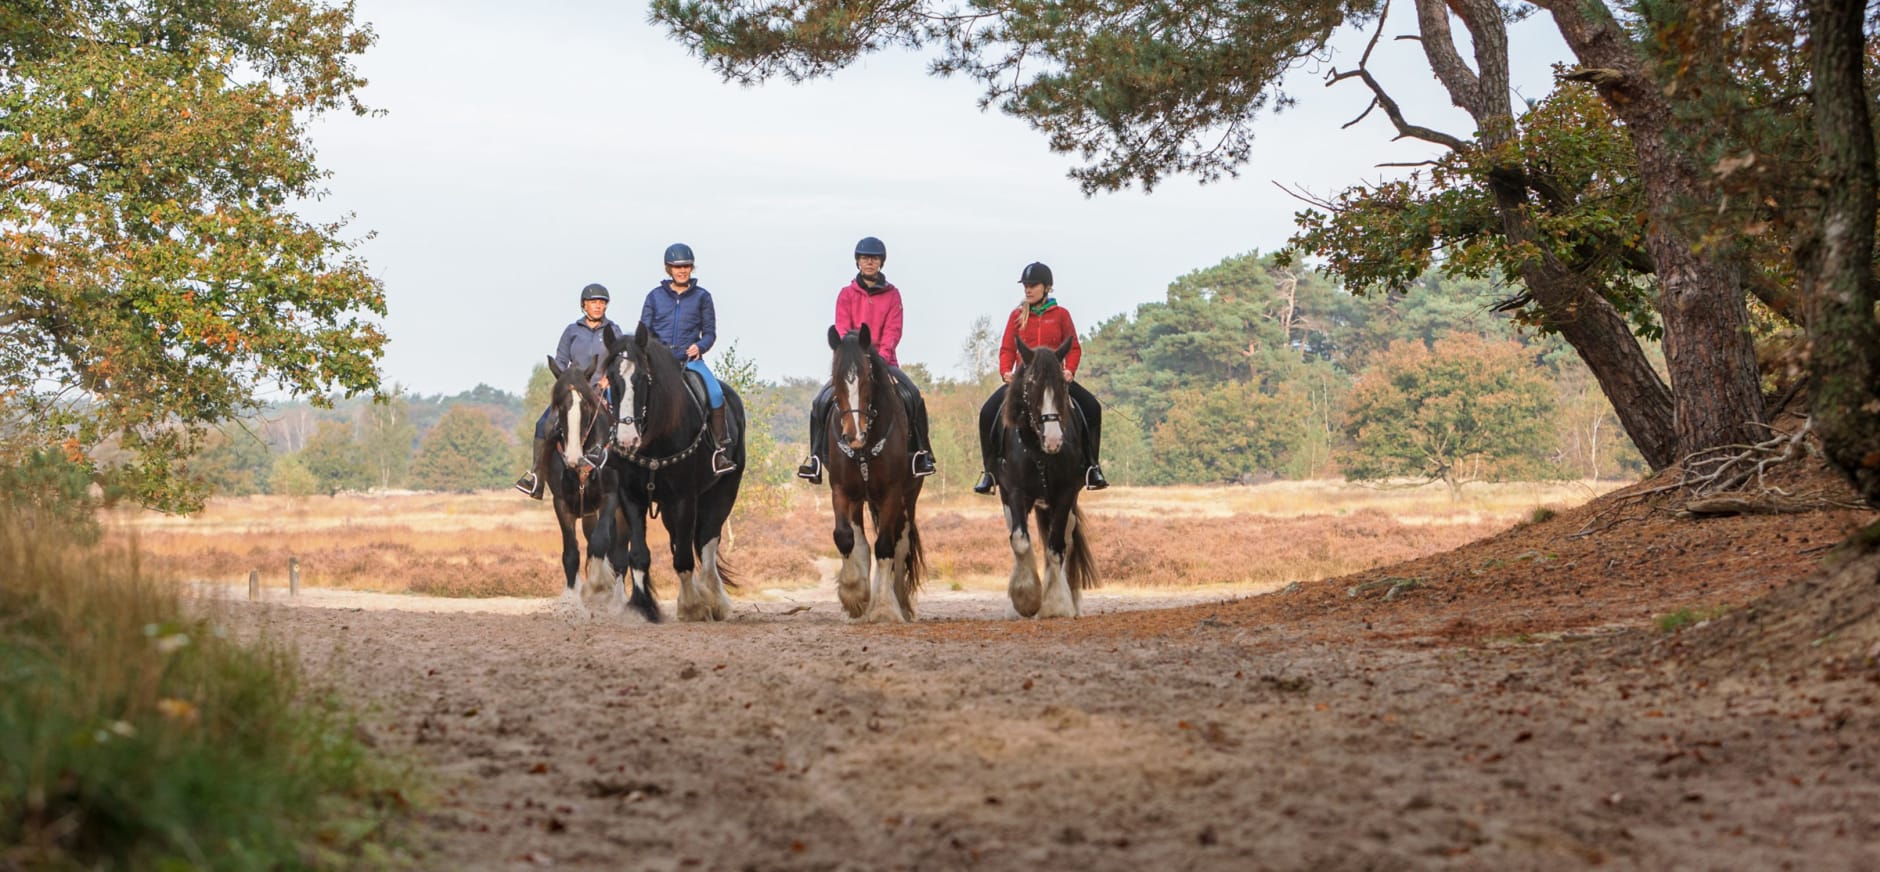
x: 293, y: 576
x: 254, y: 584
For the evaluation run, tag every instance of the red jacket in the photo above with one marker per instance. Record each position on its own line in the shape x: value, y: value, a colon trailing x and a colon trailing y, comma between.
x: 1047, y: 330
x: 881, y: 311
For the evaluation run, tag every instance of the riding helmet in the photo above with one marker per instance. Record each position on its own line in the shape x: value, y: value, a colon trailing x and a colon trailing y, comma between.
x: 1035, y: 274
x: 678, y: 254
x: 596, y: 291
x: 872, y: 247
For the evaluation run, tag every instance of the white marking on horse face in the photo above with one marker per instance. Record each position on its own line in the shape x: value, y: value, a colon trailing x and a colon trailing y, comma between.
x: 1053, y: 435
x: 626, y: 436
x: 571, y: 434
x: 852, y: 424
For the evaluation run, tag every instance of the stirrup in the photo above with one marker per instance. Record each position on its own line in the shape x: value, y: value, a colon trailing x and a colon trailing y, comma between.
x: 984, y: 485
x: 919, y: 471
x: 721, y: 464
x: 1094, y: 480
x: 530, y: 485
x: 811, y: 470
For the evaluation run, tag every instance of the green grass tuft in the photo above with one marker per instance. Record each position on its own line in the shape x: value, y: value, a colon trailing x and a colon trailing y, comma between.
x: 136, y: 735
x: 1678, y: 620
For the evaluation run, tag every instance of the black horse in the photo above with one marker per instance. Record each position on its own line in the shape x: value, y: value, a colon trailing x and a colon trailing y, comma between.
x: 870, y: 468
x: 1040, y: 474
x: 660, y: 461
x: 579, y: 424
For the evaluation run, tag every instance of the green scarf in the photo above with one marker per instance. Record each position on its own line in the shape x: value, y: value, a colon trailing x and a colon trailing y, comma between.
x: 1046, y: 306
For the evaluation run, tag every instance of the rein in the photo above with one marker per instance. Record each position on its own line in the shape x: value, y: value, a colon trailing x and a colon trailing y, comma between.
x: 863, y: 457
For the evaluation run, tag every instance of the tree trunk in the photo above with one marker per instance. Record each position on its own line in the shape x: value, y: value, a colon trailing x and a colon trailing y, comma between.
x: 1708, y: 350
x: 1584, y: 318
x: 1837, y: 274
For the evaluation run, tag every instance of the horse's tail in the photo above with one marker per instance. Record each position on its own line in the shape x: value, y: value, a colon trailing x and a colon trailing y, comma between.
x: 725, y: 573
x: 916, y: 559
x: 1079, y: 566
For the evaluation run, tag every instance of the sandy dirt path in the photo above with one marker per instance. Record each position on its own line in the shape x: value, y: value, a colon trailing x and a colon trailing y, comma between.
x: 798, y: 741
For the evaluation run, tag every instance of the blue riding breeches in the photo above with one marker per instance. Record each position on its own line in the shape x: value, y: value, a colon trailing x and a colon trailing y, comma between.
x: 712, y: 388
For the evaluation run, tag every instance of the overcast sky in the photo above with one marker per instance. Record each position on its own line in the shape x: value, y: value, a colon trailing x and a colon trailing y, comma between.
x: 529, y: 149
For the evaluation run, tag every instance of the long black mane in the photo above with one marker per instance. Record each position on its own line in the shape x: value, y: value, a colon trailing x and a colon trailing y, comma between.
x: 886, y: 416
x: 657, y: 380
x: 1041, y: 373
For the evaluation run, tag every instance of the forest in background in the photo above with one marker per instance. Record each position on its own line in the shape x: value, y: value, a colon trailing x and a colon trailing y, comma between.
x: 1246, y: 371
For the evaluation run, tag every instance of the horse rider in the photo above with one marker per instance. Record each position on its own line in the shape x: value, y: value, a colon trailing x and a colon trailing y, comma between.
x: 1042, y: 323
x: 871, y: 299
x: 582, y: 342
x: 680, y: 313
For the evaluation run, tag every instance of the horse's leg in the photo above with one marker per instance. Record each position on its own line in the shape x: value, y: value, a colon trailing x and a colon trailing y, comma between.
x: 570, y: 547
x: 852, y: 577
x: 638, y: 561
x: 602, y: 534
x: 1023, y: 587
x: 681, y: 516
x: 714, y: 517
x: 884, y: 606
x: 1055, y: 528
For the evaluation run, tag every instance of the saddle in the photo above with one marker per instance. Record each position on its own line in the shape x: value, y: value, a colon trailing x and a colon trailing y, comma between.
x: 695, y: 384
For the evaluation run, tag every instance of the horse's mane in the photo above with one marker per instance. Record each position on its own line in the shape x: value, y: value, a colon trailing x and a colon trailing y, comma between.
x: 1042, y: 373
x: 879, y: 376
x: 667, y: 372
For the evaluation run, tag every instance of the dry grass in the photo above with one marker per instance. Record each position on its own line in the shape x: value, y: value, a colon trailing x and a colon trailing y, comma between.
x: 498, y: 544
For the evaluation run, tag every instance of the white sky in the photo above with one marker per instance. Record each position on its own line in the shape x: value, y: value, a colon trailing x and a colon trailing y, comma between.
x: 529, y: 149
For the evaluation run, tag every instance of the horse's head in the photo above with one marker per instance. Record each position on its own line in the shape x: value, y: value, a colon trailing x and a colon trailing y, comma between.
x: 1043, y: 394
x: 576, y: 411
x: 852, y: 374
x: 635, y: 365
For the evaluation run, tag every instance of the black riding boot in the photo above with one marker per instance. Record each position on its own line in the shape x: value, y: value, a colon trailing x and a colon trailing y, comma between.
x: 531, y: 482
x: 1093, y: 441
x: 917, y: 442
x: 811, y: 468
x: 721, y: 462
x: 988, y: 439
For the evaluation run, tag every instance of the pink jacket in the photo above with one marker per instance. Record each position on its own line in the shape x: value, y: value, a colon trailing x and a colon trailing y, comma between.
x: 880, y: 311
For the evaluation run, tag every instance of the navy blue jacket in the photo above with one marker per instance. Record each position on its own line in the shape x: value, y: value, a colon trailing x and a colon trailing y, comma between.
x: 580, y: 344
x: 680, y: 320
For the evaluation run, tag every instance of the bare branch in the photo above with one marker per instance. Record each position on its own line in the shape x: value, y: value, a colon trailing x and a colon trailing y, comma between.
x: 1307, y: 199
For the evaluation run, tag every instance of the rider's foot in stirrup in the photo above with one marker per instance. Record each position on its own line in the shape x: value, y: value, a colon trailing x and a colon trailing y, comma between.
x: 1094, y: 480
x: 923, y: 464
x: 985, y: 484
x: 721, y: 462
x: 811, y: 470
x: 530, y: 485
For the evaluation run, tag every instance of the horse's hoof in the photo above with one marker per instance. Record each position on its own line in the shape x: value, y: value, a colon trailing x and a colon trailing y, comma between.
x: 884, y: 616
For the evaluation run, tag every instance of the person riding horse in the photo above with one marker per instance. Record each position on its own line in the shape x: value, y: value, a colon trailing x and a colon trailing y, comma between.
x: 1042, y: 323
x: 582, y: 343
x: 680, y: 313
x: 872, y: 300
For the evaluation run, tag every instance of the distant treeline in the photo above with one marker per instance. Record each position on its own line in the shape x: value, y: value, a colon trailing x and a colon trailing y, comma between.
x: 1246, y: 371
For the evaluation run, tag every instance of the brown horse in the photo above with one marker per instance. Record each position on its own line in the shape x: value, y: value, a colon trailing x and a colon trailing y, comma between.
x: 869, y: 467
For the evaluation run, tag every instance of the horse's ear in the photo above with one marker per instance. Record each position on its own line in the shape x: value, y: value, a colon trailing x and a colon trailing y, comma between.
x: 1024, y: 351
x: 640, y: 333
x: 835, y: 339
x: 863, y: 338
x: 554, y: 367
x: 1064, y: 350
x: 587, y: 372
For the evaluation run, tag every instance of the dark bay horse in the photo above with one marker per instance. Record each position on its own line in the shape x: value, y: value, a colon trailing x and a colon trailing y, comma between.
x: 869, y: 467
x: 1040, y: 473
x: 579, y: 424
x: 660, y: 462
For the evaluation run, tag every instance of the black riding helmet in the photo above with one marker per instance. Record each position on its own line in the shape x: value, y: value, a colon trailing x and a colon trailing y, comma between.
x: 595, y: 291
x: 872, y: 247
x: 678, y: 254
x: 1035, y: 274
